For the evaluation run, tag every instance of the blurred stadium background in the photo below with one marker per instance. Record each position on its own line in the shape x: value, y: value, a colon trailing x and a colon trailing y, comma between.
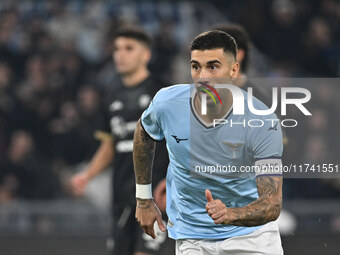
x: 55, y: 64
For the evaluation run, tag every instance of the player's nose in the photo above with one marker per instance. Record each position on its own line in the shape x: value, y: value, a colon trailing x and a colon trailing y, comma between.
x: 204, y: 74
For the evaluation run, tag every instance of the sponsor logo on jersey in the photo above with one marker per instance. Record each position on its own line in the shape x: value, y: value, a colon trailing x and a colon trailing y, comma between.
x: 144, y: 101
x: 116, y: 106
x: 273, y: 127
x: 170, y: 224
x: 121, y: 128
x: 178, y: 140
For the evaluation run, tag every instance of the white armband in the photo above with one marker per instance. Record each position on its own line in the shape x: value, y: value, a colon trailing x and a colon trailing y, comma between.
x: 144, y: 191
x: 270, y: 166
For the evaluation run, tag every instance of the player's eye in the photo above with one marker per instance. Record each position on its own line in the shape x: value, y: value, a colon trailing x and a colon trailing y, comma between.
x: 195, y: 67
x: 129, y: 48
x: 213, y: 67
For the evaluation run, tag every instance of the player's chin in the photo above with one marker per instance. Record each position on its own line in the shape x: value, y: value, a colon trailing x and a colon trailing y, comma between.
x: 210, y: 102
x: 124, y: 70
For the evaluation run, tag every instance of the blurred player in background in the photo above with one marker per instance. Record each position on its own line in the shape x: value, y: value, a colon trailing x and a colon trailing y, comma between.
x: 124, y: 105
x: 210, y: 214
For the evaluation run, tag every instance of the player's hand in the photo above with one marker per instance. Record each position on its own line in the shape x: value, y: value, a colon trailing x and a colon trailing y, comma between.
x: 147, y: 213
x: 216, y: 209
x: 79, y: 183
x: 159, y: 195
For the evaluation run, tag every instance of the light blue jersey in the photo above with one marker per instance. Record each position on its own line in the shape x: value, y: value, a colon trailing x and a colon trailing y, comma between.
x: 194, y: 146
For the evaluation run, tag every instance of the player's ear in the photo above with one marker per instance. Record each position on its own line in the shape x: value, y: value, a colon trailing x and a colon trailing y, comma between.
x: 234, y: 70
x: 147, y: 55
x: 240, y: 55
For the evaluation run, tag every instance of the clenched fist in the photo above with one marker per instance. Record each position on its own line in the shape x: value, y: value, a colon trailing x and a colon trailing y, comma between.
x: 78, y: 183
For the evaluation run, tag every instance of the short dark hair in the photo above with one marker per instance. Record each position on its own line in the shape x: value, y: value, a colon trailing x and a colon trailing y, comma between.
x: 241, y: 37
x: 136, y: 33
x: 214, y: 39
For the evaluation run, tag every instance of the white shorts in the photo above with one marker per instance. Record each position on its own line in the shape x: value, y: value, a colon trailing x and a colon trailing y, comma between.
x: 263, y: 241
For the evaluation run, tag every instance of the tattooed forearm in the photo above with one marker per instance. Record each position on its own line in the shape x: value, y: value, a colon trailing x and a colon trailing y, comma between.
x: 143, y: 155
x: 143, y: 203
x: 264, y: 209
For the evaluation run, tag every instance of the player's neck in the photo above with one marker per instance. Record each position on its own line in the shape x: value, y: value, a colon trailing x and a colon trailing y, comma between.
x: 135, y: 78
x: 214, y: 111
x: 241, y: 80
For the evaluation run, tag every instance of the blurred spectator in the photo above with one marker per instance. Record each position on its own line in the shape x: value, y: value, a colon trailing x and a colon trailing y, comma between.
x: 92, y: 119
x: 165, y: 50
x: 320, y: 53
x: 67, y: 143
x: 27, y: 174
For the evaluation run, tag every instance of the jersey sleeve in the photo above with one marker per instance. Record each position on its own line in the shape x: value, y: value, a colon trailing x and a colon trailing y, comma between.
x: 267, y: 146
x: 103, y: 130
x: 151, y: 119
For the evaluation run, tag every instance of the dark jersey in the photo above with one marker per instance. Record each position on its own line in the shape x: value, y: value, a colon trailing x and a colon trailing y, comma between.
x: 124, y: 106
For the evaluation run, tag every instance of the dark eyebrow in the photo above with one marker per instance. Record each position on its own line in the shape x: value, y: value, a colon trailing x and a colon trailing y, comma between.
x: 209, y: 62
x: 214, y: 62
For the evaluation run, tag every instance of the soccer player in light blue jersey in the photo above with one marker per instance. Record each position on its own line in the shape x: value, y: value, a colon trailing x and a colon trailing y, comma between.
x: 214, y: 205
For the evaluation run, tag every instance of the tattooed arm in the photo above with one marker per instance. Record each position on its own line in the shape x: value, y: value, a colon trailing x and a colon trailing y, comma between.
x: 147, y: 211
x: 263, y: 210
x: 143, y: 155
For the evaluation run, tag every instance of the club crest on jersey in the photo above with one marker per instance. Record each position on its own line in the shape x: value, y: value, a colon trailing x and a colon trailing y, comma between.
x: 234, y: 147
